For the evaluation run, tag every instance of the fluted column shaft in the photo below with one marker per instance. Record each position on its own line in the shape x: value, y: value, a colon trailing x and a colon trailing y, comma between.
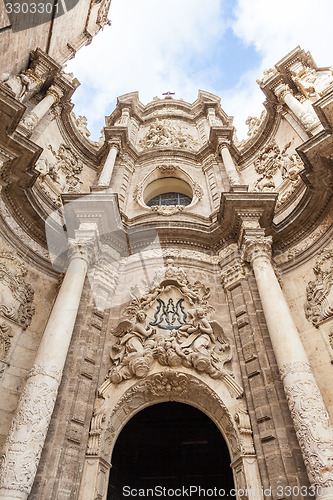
x: 106, y: 174
x: 52, y: 96
x: 29, y: 427
x: 311, y: 421
x: 229, y: 165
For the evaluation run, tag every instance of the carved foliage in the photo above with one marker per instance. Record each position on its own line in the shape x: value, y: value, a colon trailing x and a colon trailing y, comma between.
x: 5, y: 339
x: 319, y: 293
x: 16, y: 296
x: 24, y: 445
x: 311, y: 421
x: 278, y: 171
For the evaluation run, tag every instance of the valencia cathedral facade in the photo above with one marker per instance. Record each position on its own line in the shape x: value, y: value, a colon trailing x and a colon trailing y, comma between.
x: 166, y: 292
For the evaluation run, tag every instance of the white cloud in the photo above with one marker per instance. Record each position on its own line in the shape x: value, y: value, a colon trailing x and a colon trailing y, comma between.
x: 157, y: 46
x: 148, y: 48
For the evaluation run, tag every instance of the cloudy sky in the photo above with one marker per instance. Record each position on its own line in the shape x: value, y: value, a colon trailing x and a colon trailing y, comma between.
x: 221, y: 46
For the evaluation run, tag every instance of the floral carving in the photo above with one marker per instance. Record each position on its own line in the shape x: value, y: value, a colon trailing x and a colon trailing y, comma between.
x: 319, y: 293
x: 312, y: 424
x: 233, y: 274
x: 19, y: 461
x: 16, y: 296
x: 257, y: 247
x: 166, y: 133
x: 61, y: 176
x: 167, y: 209
x: 278, y: 171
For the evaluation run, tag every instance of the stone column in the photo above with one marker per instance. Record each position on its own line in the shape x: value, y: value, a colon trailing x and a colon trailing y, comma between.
x: 106, y: 174
x: 53, y: 95
x: 285, y: 95
x: 310, y: 418
x: 229, y: 165
x: 30, y: 423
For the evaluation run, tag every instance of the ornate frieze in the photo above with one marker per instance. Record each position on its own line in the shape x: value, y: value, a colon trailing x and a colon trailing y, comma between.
x: 319, y: 293
x: 278, y: 171
x: 16, y: 295
x: 167, y: 133
x: 233, y: 274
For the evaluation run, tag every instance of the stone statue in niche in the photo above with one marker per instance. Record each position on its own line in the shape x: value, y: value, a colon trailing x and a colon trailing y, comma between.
x: 170, y: 325
x: 16, y: 296
x: 319, y: 293
x: 61, y: 176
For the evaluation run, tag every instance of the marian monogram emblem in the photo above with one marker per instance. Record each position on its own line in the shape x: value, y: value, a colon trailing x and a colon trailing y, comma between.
x: 169, y: 316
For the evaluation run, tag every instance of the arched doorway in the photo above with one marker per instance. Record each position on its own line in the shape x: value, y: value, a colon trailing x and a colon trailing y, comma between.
x: 171, y: 445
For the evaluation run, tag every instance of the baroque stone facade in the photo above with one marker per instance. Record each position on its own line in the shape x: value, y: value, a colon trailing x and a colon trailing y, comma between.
x: 165, y: 262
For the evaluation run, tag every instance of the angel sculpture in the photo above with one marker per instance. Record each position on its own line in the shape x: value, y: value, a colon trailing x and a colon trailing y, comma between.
x: 132, y: 354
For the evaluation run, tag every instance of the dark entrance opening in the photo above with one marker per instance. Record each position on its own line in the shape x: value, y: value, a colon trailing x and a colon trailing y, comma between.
x: 172, y: 446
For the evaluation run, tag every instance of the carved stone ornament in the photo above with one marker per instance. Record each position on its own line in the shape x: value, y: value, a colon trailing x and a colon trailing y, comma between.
x: 257, y: 247
x: 86, y: 249
x: 278, y: 171
x: 6, y: 335
x: 169, y: 325
x: 319, y: 293
x: 268, y: 73
x: 61, y: 176
x: 167, y: 386
x: 81, y: 124
x: 312, y: 83
x: 29, y: 425
x: 166, y: 133
x: 16, y: 295
x: 233, y: 274
x: 23, y: 83
x: 167, y: 209
x: 311, y: 421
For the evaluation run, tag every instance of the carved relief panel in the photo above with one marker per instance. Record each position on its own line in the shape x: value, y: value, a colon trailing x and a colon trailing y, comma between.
x: 278, y: 171
x: 171, y: 325
x: 319, y: 293
x: 61, y: 175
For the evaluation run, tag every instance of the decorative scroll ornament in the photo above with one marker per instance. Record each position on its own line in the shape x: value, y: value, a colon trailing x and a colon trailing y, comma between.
x: 319, y: 293
x: 176, y: 333
x: 16, y: 295
x: 62, y: 176
x: 233, y: 274
x: 166, y: 134
x: 278, y: 171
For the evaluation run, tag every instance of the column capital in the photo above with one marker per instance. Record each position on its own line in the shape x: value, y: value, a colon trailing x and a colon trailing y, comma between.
x: 86, y: 249
x: 114, y: 144
x: 281, y: 91
x: 55, y: 92
x: 257, y: 247
x: 223, y: 142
